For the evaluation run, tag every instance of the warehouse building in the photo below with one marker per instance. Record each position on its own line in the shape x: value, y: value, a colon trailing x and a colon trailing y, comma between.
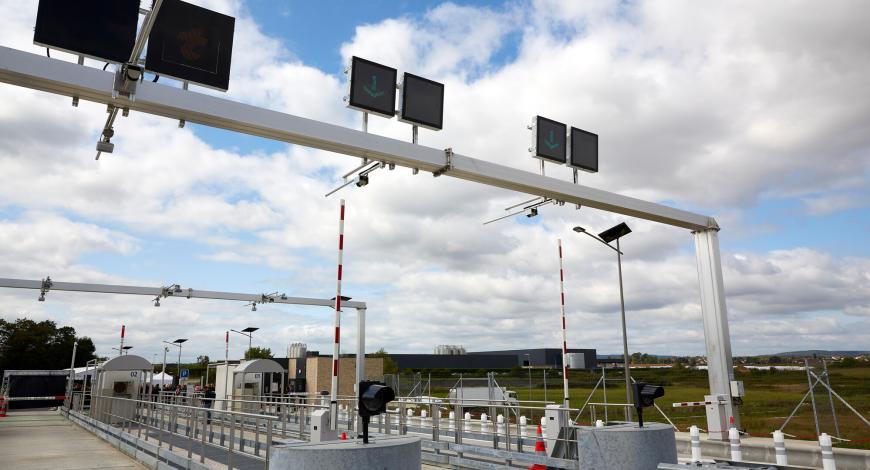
x: 538, y: 358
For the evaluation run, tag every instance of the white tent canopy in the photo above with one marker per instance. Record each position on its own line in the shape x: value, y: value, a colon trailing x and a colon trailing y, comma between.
x: 162, y: 379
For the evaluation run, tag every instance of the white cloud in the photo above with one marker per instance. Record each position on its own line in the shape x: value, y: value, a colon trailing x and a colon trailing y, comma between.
x: 691, y: 108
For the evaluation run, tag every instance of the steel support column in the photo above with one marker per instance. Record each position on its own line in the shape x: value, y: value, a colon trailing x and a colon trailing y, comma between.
x: 715, y: 316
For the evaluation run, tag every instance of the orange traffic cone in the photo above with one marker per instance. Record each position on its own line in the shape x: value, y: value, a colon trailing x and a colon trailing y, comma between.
x: 3, y: 407
x: 540, y: 449
x: 343, y: 436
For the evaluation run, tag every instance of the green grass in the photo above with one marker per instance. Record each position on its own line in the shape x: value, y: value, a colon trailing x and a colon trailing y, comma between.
x: 770, y: 398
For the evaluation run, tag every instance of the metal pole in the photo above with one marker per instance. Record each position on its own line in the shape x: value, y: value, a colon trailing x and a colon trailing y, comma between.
x: 545, y: 382
x: 179, y: 364
x: 226, y: 372
x: 360, y: 353
x: 831, y: 399
x: 720, y: 371
x: 604, y: 384
x: 530, y: 382
x: 121, y: 348
x: 333, y: 403
x: 72, y: 371
x: 624, y: 336
x: 812, y: 394
x: 564, y: 334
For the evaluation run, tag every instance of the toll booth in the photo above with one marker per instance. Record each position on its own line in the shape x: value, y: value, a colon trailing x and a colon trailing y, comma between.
x: 256, y: 379
x: 119, y: 377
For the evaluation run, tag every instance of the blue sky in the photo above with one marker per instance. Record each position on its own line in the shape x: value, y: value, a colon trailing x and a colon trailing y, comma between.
x: 742, y: 115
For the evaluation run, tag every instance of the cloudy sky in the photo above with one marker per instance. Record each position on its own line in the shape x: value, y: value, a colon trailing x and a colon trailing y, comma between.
x: 755, y: 113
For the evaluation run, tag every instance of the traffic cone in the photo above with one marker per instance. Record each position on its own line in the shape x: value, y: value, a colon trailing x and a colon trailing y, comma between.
x: 2, y: 407
x: 540, y: 449
x: 343, y: 436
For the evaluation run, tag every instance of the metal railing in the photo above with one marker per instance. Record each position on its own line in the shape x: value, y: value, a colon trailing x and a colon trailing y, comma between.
x: 197, y: 432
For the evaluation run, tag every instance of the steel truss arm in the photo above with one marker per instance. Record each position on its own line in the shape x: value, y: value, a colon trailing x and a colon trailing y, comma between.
x: 173, y: 291
x: 69, y: 79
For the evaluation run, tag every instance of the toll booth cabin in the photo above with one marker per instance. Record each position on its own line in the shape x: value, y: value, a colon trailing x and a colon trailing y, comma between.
x: 249, y: 381
x: 118, y: 381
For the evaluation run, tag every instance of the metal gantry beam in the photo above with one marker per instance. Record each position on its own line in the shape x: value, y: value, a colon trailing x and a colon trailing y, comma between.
x: 69, y: 79
x: 172, y: 291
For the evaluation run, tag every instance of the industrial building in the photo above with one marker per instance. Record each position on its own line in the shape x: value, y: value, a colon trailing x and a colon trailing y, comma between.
x: 538, y: 358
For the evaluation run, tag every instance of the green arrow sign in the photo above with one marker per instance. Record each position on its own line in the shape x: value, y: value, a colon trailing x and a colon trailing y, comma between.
x: 551, y: 140
x: 372, y: 89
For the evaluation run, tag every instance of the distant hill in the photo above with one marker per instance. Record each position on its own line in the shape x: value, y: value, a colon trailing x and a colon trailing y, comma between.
x: 818, y: 353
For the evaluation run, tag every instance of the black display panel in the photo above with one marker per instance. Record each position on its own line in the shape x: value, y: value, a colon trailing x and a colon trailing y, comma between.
x: 550, y: 139
x: 372, y: 87
x: 422, y: 102
x: 191, y: 43
x: 102, y: 29
x: 584, y: 150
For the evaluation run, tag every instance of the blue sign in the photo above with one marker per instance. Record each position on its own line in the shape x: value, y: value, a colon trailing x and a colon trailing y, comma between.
x: 185, y: 373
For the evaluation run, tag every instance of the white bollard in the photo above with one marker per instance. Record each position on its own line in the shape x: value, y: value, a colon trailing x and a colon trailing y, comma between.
x: 500, y: 420
x: 467, y: 420
x: 827, y: 452
x: 779, y: 447
x: 734, y: 437
x: 451, y: 424
x: 695, y: 435
x: 523, y: 423
x: 599, y: 423
x: 484, y: 424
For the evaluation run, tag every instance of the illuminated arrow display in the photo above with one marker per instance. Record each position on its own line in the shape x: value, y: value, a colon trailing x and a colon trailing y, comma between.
x: 372, y: 87
x: 550, y: 140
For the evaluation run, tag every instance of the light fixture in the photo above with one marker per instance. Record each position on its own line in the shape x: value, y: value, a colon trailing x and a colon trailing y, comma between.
x: 362, y: 180
x: 532, y: 212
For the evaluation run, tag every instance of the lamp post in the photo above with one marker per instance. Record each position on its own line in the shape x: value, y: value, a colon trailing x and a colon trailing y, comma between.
x: 249, y: 332
x: 529, y: 365
x: 177, y: 343
x: 605, y: 237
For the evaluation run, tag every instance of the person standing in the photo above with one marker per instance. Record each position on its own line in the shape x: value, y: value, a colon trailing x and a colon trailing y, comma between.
x: 207, y: 401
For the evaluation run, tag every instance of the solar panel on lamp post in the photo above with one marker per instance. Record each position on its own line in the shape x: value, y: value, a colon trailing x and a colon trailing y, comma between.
x: 249, y: 332
x: 177, y: 343
x: 605, y: 237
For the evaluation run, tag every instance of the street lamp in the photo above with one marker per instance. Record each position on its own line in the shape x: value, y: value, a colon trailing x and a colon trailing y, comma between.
x: 529, y: 365
x: 177, y: 343
x: 605, y: 237
x: 123, y: 350
x: 249, y: 331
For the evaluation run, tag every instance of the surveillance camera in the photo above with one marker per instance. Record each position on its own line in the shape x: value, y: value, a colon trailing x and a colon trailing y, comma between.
x: 533, y: 212
x: 362, y: 180
x: 105, y: 146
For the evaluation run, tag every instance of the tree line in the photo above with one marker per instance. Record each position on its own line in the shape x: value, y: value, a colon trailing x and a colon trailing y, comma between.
x: 26, y: 344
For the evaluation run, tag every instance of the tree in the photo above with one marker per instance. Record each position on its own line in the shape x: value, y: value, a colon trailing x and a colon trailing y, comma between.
x: 390, y: 366
x: 27, y: 344
x: 258, y: 353
x: 202, y: 360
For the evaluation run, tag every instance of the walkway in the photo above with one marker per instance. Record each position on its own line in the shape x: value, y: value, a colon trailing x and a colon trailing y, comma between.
x: 44, y: 440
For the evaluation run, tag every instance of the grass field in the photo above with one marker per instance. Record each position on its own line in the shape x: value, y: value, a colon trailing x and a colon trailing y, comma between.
x: 770, y: 398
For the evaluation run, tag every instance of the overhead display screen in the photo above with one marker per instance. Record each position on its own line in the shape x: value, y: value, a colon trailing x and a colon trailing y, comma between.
x: 191, y: 43
x: 422, y: 102
x: 550, y: 139
x: 100, y: 29
x: 584, y: 150
x: 372, y: 87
